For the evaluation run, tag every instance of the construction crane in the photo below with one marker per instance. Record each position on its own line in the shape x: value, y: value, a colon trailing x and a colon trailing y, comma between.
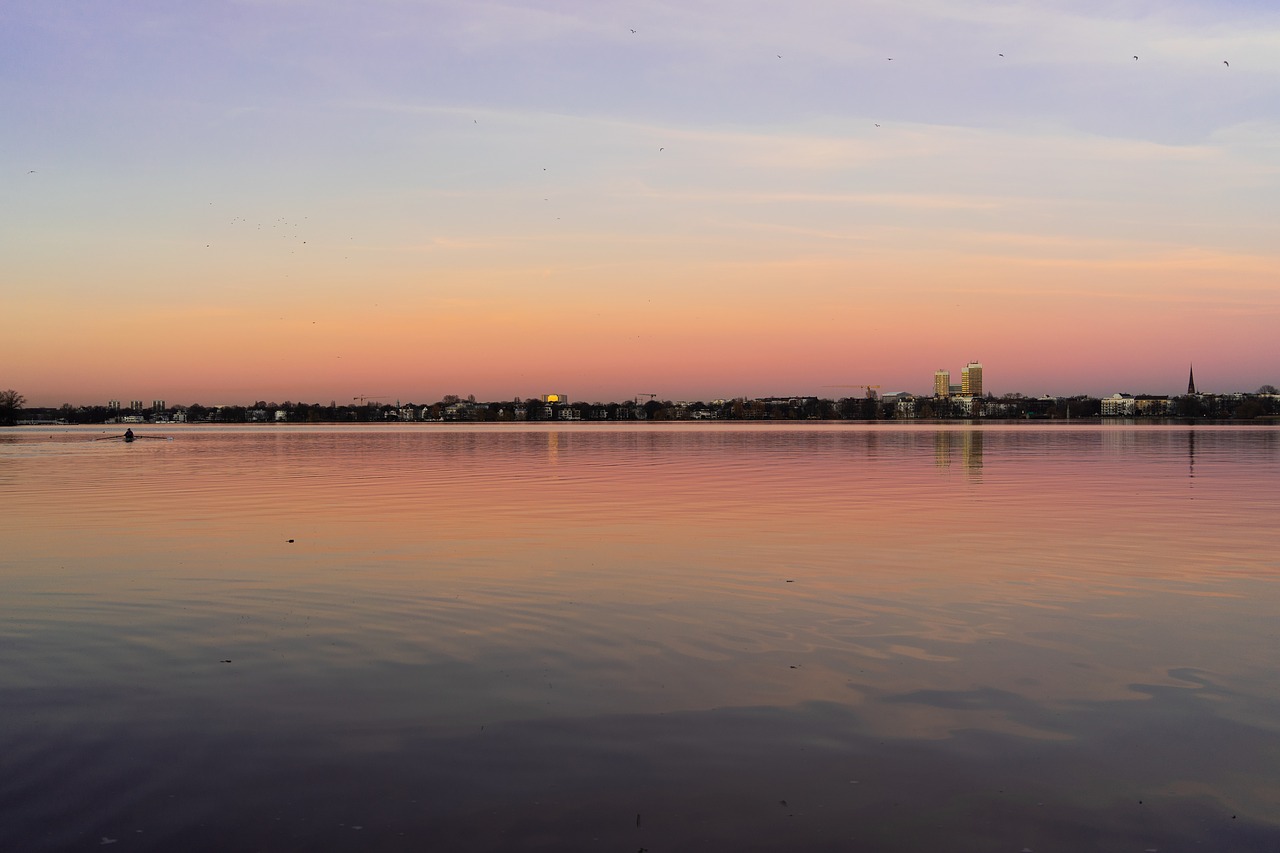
x: 871, y: 390
x: 363, y: 398
x: 642, y: 394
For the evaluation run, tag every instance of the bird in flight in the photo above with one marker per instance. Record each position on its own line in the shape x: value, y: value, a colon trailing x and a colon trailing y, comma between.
x: 633, y: 31
x: 1135, y: 59
x: 1228, y: 64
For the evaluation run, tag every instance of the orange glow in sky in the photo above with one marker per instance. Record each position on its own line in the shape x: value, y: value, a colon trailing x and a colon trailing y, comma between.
x: 456, y: 198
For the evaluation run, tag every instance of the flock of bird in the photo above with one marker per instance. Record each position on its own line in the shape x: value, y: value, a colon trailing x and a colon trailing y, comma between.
x: 295, y: 236
x: 890, y: 58
x: 877, y: 124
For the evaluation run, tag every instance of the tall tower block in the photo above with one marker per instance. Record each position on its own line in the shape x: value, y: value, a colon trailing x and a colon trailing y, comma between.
x: 971, y: 380
x: 942, y: 383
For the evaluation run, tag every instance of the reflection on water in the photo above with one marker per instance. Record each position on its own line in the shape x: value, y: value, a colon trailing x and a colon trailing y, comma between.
x: 964, y: 443
x: 1191, y: 454
x: 486, y: 638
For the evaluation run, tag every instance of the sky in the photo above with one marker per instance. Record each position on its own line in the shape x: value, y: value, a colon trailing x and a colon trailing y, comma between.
x: 224, y: 202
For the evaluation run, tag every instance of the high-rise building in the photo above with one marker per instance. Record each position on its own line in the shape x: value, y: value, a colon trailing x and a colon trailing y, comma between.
x: 157, y: 405
x: 942, y: 383
x: 971, y: 380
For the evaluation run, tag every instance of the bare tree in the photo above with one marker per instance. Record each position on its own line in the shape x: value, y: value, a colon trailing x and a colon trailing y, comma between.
x: 10, y: 404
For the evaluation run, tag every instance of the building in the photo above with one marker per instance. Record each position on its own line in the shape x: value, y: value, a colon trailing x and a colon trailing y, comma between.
x: 971, y: 380
x: 1118, y: 406
x: 942, y: 383
x: 1151, y: 405
x: 901, y: 404
x: 1191, y: 381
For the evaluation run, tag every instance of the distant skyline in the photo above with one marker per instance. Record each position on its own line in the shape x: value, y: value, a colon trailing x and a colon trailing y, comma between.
x: 825, y: 393
x: 264, y: 199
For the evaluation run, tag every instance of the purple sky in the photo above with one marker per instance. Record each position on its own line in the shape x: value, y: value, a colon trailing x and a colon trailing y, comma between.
x: 221, y: 202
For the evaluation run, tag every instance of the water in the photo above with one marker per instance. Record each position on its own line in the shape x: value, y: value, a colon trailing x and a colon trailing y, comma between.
x: 684, y: 637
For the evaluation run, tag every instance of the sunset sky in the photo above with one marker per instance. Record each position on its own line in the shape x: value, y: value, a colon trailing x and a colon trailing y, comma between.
x: 223, y: 202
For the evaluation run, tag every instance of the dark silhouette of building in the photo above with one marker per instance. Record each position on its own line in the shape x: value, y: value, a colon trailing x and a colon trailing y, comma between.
x: 1191, y: 381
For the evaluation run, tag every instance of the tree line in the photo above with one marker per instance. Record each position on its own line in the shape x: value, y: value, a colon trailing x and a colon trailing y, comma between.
x: 1265, y: 403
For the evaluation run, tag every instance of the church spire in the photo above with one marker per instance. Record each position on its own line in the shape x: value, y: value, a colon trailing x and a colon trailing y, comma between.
x: 1191, y: 381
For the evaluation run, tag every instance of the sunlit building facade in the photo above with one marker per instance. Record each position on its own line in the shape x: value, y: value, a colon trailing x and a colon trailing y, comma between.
x: 971, y: 380
x: 942, y: 383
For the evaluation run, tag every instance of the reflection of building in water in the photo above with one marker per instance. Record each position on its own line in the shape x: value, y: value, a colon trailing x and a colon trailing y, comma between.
x: 1121, y: 442
x: 1191, y: 454
x: 967, y: 442
x: 553, y: 446
x: 943, y: 443
x: 971, y: 450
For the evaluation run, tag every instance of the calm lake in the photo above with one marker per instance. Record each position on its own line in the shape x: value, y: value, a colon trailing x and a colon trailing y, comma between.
x: 640, y: 637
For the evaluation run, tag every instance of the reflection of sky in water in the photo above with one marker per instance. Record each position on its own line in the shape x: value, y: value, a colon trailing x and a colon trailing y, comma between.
x: 1021, y: 631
